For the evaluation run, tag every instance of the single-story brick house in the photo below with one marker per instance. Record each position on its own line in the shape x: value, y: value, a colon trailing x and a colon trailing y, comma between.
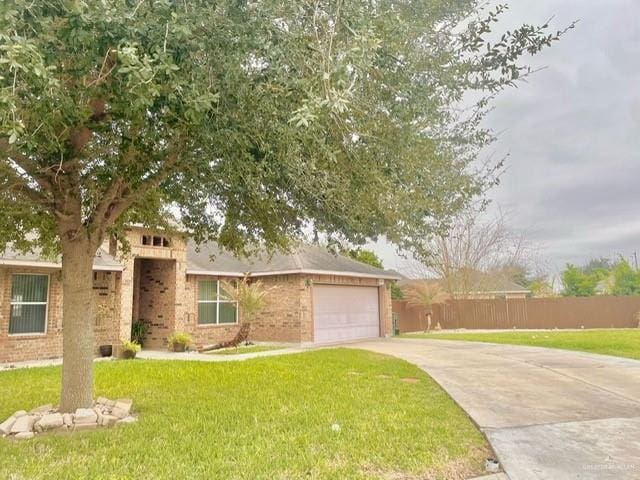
x: 172, y: 285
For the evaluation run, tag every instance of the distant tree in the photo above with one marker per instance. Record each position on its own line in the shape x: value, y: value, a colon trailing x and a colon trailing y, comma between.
x: 599, y: 264
x: 370, y: 258
x: 475, y: 254
x: 396, y: 292
x: 365, y: 256
x: 516, y: 272
x: 625, y: 279
x: 577, y: 283
x: 541, y: 288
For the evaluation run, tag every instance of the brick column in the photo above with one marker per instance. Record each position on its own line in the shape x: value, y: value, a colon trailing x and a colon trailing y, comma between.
x: 126, y: 297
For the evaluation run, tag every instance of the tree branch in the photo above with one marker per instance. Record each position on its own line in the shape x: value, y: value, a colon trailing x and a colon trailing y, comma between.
x: 121, y: 195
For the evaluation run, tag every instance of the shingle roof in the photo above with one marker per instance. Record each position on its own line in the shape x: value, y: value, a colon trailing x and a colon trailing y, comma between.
x: 492, y: 285
x: 209, y: 259
x: 305, y: 259
x: 102, y: 260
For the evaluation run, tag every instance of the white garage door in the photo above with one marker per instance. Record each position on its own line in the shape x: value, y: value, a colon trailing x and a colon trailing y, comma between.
x: 345, y: 313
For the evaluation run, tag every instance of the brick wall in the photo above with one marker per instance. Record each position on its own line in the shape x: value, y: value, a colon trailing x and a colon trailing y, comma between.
x: 49, y: 345
x: 285, y: 317
x: 288, y: 313
x: 155, y: 302
x: 175, y: 251
x: 279, y: 320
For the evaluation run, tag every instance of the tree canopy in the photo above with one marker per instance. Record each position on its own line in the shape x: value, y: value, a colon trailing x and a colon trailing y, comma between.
x: 603, y: 277
x: 365, y: 256
x: 249, y: 119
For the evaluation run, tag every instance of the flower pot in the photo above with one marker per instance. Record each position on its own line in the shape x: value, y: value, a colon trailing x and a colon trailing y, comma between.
x: 128, y: 354
x: 106, y: 350
x: 178, y: 347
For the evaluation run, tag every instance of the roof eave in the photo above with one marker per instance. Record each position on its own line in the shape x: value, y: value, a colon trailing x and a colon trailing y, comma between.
x: 36, y: 264
x: 215, y: 273
x: 306, y: 271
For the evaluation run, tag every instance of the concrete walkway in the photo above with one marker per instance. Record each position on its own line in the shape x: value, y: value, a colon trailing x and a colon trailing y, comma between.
x: 166, y: 355
x: 212, y: 357
x: 549, y: 414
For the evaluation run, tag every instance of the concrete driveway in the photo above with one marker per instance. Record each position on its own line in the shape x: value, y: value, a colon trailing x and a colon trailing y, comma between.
x: 549, y: 414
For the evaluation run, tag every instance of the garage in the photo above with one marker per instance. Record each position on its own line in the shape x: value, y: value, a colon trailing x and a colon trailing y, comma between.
x: 344, y: 313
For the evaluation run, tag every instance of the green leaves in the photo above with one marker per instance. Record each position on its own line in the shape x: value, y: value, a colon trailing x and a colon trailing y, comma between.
x: 249, y: 121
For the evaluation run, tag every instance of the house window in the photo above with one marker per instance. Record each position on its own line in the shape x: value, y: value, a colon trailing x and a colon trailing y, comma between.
x: 29, y: 296
x: 156, y: 241
x: 214, y: 307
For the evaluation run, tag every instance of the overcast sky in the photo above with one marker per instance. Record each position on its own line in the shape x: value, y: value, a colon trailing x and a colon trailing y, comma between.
x: 572, y: 134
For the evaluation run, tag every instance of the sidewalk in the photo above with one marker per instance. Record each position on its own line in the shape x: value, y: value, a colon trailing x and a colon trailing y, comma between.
x: 165, y: 355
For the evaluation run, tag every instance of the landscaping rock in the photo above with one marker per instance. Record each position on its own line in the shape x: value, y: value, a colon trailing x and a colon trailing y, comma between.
x: 99, y: 414
x: 46, y: 418
x: 24, y: 424
x: 51, y: 421
x: 124, y: 405
x: 67, y: 419
x: 5, y: 427
x: 120, y: 413
x: 85, y: 415
x: 43, y: 409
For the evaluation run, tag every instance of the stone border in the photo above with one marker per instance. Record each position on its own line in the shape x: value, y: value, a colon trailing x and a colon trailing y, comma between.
x: 104, y: 413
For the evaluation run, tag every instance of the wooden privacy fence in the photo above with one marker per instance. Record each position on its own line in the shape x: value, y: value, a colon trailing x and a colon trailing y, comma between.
x: 565, y: 312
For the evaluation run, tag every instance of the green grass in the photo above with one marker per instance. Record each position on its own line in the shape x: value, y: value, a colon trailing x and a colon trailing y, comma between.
x: 249, y: 349
x: 621, y: 343
x: 266, y: 418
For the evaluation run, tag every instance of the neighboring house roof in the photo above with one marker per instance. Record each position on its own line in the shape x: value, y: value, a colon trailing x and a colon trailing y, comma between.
x: 310, y: 259
x: 494, y: 285
x: 102, y: 260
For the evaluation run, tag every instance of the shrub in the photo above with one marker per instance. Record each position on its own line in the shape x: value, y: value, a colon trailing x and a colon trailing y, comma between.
x: 139, y: 330
x: 180, y: 338
x: 129, y: 349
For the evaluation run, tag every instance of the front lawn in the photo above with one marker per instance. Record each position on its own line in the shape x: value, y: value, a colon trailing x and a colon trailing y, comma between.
x: 621, y: 343
x: 246, y: 349
x: 336, y: 414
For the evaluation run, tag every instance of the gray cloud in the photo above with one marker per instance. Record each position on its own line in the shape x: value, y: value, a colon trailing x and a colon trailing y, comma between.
x: 572, y: 134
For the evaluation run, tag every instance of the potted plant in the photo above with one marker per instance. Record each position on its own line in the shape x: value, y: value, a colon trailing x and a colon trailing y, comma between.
x: 179, y: 341
x: 139, y: 330
x: 106, y: 350
x: 129, y: 349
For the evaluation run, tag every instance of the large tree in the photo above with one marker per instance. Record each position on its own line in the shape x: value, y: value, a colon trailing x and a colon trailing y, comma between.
x: 476, y: 254
x: 250, y: 120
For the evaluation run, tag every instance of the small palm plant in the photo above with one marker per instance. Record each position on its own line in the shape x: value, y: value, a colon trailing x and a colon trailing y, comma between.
x: 425, y: 294
x: 250, y: 296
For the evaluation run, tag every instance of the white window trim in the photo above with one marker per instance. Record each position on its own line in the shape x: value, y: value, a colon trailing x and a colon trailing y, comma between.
x: 46, y: 310
x: 217, y: 302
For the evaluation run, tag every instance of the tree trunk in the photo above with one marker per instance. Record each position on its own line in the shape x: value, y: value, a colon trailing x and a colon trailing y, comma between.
x: 78, y: 312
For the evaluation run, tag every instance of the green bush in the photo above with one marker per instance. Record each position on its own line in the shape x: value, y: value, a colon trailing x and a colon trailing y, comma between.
x: 180, y: 338
x: 130, y: 346
x: 139, y: 330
